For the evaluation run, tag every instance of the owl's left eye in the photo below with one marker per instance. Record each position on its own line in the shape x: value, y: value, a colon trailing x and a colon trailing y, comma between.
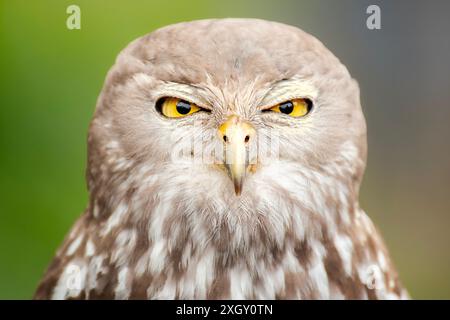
x: 294, y: 108
x: 175, y: 107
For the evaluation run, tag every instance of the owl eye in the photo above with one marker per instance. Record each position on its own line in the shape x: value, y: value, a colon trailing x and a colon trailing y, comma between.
x: 175, y: 107
x: 294, y: 108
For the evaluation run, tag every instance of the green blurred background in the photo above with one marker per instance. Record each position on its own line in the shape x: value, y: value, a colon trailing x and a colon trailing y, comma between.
x: 51, y: 76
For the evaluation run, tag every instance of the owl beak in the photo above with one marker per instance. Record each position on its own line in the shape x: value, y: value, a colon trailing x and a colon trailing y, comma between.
x: 236, y: 136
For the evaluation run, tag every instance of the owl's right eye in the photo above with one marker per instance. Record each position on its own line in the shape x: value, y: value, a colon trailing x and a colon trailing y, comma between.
x: 175, y: 107
x: 295, y: 108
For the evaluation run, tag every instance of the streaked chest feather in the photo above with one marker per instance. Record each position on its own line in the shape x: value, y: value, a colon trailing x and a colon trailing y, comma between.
x: 312, y: 244
x: 344, y: 266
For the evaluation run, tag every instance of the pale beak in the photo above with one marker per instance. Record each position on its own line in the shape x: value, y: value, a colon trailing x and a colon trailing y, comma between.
x: 236, y: 136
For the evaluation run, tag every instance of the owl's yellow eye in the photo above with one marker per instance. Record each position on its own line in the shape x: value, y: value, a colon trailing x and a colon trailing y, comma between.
x: 176, y: 108
x: 294, y: 108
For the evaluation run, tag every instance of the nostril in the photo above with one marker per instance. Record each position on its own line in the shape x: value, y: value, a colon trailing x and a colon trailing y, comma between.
x: 247, y: 138
x: 225, y: 138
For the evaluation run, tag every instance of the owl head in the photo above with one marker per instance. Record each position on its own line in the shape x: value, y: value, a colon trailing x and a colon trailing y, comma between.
x: 246, y: 128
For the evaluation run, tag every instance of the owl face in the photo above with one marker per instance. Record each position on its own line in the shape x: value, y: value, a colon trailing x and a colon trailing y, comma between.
x: 229, y: 120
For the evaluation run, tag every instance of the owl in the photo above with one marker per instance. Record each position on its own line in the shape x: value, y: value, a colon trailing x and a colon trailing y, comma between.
x: 225, y: 159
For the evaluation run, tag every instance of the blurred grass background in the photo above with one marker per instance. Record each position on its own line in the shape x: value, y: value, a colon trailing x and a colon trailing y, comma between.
x: 51, y: 76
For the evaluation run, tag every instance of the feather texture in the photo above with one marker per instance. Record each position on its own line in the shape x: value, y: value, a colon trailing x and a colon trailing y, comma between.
x: 159, y: 227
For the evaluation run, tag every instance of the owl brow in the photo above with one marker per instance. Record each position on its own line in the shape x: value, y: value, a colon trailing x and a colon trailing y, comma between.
x: 288, y: 89
x: 184, y: 91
